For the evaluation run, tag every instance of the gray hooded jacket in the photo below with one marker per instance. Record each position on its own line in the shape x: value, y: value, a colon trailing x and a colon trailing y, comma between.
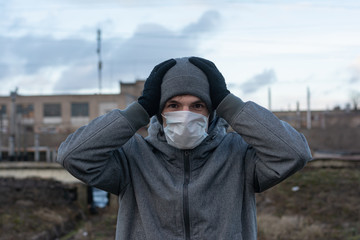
x: 204, y: 193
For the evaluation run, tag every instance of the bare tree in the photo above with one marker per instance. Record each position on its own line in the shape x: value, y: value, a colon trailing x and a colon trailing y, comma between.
x: 355, y: 99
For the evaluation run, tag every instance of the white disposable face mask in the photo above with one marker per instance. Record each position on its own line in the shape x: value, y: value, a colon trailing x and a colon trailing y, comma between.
x: 185, y: 129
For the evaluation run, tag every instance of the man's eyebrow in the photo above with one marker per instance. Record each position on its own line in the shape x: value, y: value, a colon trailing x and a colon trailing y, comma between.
x: 199, y: 101
x: 172, y: 101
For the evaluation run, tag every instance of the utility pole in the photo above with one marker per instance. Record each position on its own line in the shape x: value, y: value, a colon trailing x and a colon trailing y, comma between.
x: 99, y: 56
x: 12, y: 125
x: 37, y: 147
x: 308, y: 115
x: 1, y: 129
x: 18, y: 134
x: 269, y: 98
x: 298, y: 115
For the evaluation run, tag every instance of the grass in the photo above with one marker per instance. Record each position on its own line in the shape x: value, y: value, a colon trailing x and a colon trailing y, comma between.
x: 326, y: 206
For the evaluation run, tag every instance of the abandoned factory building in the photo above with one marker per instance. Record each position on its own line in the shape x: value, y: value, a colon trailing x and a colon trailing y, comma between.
x: 32, y: 127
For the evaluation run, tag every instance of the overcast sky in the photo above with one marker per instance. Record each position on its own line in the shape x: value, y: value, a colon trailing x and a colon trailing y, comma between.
x: 49, y: 47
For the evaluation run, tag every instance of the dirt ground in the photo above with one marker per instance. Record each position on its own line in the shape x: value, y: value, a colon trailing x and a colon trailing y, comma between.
x: 315, y: 203
x: 34, y: 208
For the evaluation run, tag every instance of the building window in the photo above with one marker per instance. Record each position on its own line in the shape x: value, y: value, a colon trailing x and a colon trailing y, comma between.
x: 26, y: 110
x: 52, y: 110
x: 79, y: 109
x: 3, y: 110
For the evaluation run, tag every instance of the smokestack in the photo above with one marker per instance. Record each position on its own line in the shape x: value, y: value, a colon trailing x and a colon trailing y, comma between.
x: 13, y: 95
x: 308, y: 115
x: 269, y: 98
x: 99, y: 56
x: 298, y: 115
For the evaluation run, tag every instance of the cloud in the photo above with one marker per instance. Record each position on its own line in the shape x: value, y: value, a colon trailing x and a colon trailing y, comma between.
x: 258, y: 81
x: 79, y: 77
x: 355, y: 78
x: 124, y: 58
x: 149, y: 45
x: 30, y: 54
x: 207, y: 23
x: 353, y: 73
x: 152, y: 43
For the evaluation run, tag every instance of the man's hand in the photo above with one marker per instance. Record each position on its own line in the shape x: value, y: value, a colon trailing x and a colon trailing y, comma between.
x: 218, y: 90
x: 150, y: 99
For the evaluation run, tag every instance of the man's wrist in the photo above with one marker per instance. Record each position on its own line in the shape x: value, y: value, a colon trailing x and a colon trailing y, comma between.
x: 149, y: 108
x: 137, y: 115
x: 220, y: 98
x: 230, y: 106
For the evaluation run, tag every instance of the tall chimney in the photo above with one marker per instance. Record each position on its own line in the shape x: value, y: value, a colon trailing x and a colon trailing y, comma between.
x: 269, y: 98
x: 308, y: 115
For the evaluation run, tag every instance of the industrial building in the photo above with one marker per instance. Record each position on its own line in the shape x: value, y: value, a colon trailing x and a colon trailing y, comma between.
x: 32, y: 127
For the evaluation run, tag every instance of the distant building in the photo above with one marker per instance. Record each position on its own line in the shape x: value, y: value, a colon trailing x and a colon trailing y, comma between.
x: 64, y: 113
x: 40, y: 123
x: 322, y: 119
x: 43, y: 121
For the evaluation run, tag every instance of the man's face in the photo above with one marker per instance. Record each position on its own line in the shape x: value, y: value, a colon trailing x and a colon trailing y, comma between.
x: 185, y: 103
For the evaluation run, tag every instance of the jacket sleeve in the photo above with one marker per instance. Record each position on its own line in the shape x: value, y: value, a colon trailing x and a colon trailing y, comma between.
x: 276, y: 150
x: 92, y: 153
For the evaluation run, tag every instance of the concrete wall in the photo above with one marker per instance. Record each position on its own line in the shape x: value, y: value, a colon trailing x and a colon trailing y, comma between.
x: 344, y: 139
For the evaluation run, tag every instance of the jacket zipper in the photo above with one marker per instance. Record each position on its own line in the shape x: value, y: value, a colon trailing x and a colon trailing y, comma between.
x: 186, y: 195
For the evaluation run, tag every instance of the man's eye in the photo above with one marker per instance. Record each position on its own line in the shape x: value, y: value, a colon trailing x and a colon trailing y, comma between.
x: 199, y: 106
x: 173, y: 105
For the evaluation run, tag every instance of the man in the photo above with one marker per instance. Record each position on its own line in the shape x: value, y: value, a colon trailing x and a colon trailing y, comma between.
x: 189, y: 179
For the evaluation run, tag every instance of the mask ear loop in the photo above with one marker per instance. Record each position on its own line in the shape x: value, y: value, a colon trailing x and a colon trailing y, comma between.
x: 208, y: 123
x: 161, y: 130
x: 162, y: 119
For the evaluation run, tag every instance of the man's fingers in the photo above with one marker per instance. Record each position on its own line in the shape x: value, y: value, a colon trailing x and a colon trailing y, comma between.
x: 165, y: 66
x: 203, y: 64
